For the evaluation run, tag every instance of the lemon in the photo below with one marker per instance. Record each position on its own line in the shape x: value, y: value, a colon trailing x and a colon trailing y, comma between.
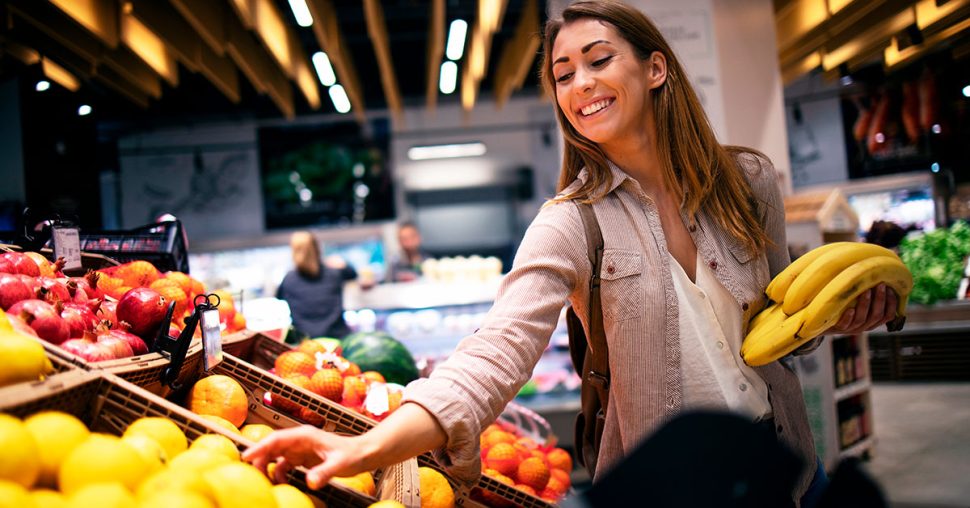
x: 102, y: 495
x: 362, y: 482
x: 221, y: 422
x: 255, y: 431
x: 288, y: 496
x: 435, y: 490
x: 163, y: 430
x: 45, y: 498
x: 14, y: 495
x: 24, y: 359
x: 56, y: 434
x: 173, y: 480
x: 102, y: 459
x: 5, y: 322
x: 174, y: 498
x: 238, y: 484
x: 149, y: 449
x: 20, y: 457
x: 387, y: 503
x: 216, y: 443
x: 197, y: 460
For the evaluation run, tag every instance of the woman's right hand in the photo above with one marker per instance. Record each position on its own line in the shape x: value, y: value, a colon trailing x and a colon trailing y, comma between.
x: 325, y: 454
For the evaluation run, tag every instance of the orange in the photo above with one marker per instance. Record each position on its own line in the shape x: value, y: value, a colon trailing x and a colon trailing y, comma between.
x: 327, y: 383
x: 183, y: 281
x: 374, y: 377
x: 288, y: 496
x: 56, y: 434
x: 435, y: 490
x: 103, y: 495
x: 495, y: 437
x: 354, y: 392
x: 311, y: 347
x: 352, y: 370
x: 503, y: 458
x: 394, y: 400
x: 239, y: 485
x: 227, y: 307
x: 550, y: 495
x: 557, y: 485
x: 175, y: 294
x: 45, y: 498
x: 310, y: 416
x: 533, y: 472
x: 527, y: 489
x: 216, y: 443
x: 561, y: 476
x: 238, y: 322
x: 220, y: 396
x: 295, y: 362
x: 138, y: 273
x: 14, y: 495
x: 560, y: 459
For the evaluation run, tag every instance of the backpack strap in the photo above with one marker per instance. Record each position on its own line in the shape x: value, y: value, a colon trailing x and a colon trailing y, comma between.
x: 599, y: 374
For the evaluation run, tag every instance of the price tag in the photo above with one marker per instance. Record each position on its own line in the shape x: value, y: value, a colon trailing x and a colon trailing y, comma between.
x: 211, y: 338
x: 67, y: 245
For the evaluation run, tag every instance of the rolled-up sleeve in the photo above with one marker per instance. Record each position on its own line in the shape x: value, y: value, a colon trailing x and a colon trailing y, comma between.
x: 471, y: 388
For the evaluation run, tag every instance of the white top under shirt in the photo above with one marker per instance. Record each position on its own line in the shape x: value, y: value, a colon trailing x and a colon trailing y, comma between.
x: 714, y: 375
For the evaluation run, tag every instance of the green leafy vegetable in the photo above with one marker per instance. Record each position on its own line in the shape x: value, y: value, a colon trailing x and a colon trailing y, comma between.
x: 937, y: 260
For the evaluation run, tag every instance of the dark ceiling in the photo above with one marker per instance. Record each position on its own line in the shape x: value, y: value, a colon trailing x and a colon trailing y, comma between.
x: 196, y: 97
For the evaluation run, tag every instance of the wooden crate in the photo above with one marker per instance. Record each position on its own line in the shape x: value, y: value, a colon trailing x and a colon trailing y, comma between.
x: 106, y: 403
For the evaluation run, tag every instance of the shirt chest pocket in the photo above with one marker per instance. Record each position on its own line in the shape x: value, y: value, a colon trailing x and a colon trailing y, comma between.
x: 620, y: 284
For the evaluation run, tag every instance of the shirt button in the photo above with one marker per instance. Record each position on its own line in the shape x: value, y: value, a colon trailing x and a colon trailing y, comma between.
x: 743, y: 387
x: 692, y: 228
x: 720, y: 345
x: 610, y: 269
x: 744, y: 306
x: 713, y: 265
x: 779, y: 429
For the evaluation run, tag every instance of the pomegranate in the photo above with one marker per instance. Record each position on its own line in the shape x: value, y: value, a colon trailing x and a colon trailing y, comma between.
x: 22, y: 263
x: 143, y: 309
x: 53, y: 291
x: 90, y: 285
x: 107, y: 312
x: 32, y: 283
x: 6, y: 266
x: 44, y: 319
x: 138, y: 346
x: 12, y: 290
x: 89, y: 350
x: 80, y: 318
x: 20, y: 326
x: 78, y: 294
x: 119, y: 347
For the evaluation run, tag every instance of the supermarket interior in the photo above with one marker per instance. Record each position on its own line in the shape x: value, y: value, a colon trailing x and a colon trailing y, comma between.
x: 223, y: 218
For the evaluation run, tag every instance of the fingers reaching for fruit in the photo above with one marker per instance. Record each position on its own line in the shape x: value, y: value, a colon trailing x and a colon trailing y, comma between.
x: 872, y: 309
x: 326, y: 454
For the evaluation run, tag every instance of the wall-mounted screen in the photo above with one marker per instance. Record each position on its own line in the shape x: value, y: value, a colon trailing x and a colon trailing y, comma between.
x: 318, y: 175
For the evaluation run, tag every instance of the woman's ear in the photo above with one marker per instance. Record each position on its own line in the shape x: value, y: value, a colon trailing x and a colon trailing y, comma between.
x: 656, y: 70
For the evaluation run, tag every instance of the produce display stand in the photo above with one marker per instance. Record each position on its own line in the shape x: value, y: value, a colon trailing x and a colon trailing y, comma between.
x: 258, y: 353
x: 108, y: 404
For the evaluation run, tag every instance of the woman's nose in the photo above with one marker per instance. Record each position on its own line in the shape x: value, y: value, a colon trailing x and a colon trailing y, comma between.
x: 584, y: 82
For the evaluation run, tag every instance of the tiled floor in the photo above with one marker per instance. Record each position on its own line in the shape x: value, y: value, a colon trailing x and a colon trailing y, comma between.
x: 922, y: 454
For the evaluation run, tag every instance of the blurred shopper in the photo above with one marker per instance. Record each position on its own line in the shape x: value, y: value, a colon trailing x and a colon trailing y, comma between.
x: 693, y: 233
x: 406, y: 267
x: 314, y: 289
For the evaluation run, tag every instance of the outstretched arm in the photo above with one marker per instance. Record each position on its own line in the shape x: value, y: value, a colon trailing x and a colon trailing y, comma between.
x: 407, y: 432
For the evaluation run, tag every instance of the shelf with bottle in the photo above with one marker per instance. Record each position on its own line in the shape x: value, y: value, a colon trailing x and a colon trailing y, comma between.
x: 855, y: 420
x: 849, y: 365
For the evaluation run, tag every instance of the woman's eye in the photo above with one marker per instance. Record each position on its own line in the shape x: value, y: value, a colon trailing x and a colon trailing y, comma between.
x: 564, y: 77
x: 602, y: 61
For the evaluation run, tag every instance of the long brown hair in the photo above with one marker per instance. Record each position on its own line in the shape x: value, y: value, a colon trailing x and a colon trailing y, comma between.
x: 696, y: 168
x: 306, y: 253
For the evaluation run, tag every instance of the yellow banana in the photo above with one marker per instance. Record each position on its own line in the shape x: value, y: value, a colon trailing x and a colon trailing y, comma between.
x: 769, y: 313
x: 773, y: 342
x: 779, y: 285
x: 826, y: 309
x: 826, y: 267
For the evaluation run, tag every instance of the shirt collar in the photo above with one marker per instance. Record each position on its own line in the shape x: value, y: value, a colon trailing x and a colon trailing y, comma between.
x: 619, y: 176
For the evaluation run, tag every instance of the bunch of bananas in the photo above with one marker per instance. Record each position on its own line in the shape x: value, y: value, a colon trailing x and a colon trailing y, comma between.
x: 812, y: 293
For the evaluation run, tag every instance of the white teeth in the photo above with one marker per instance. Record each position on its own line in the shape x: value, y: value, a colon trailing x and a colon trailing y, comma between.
x: 596, y: 106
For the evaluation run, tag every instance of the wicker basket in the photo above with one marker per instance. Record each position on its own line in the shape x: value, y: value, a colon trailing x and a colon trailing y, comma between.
x: 107, y: 403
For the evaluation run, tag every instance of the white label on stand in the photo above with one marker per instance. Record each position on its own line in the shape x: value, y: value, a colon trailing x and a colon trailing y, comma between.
x: 211, y: 338
x: 67, y: 245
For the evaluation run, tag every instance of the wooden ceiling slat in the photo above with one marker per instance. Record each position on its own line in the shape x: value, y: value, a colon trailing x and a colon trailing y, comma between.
x: 436, y: 48
x: 327, y: 31
x: 377, y: 29
x: 207, y: 19
x: 107, y: 76
x: 127, y: 64
x: 58, y: 26
x: 100, y: 17
x: 518, y: 54
x: 258, y: 66
x: 221, y: 72
x: 170, y: 26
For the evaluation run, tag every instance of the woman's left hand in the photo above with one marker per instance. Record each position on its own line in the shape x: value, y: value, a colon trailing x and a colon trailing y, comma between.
x: 873, y: 308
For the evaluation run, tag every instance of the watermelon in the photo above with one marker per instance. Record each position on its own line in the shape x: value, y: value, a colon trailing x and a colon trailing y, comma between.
x: 381, y: 352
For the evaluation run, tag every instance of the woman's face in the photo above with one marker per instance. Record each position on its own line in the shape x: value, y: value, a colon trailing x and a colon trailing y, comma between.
x: 601, y: 84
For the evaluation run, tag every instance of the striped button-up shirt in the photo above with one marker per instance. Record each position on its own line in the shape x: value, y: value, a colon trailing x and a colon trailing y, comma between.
x: 640, y: 310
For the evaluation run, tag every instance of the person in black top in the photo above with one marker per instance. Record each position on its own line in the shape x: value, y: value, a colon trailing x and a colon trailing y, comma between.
x: 314, y: 289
